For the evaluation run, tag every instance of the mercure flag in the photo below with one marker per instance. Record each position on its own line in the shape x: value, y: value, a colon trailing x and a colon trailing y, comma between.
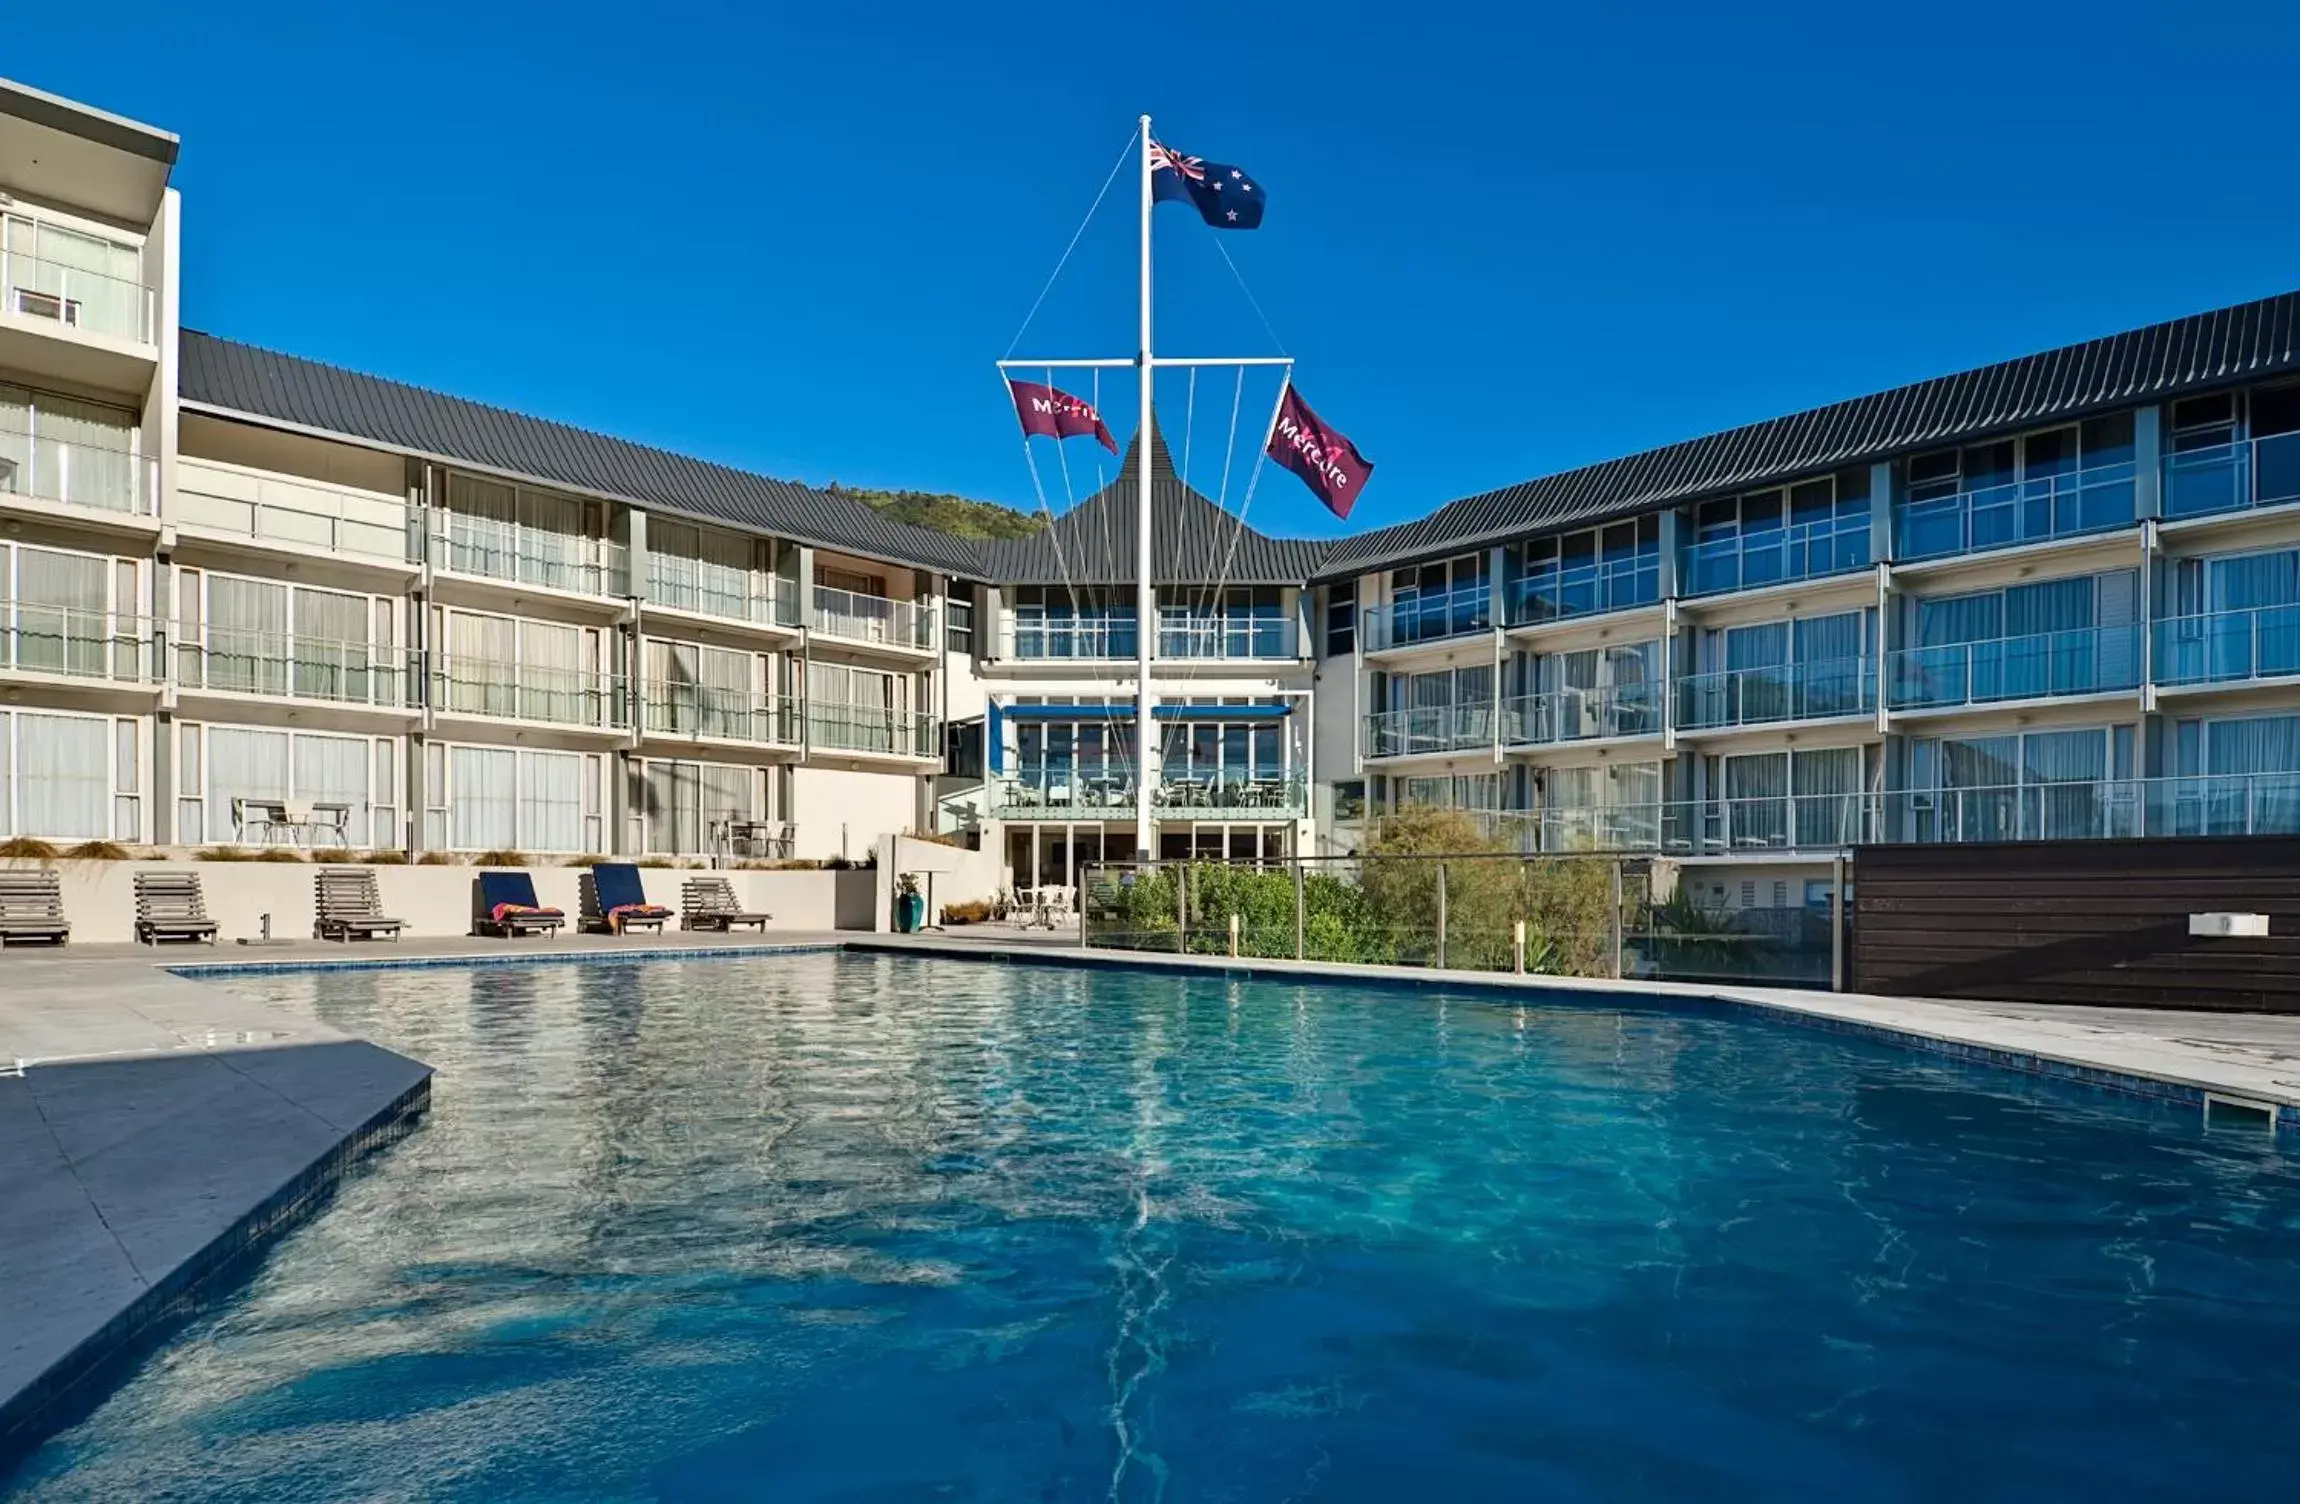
x: 1328, y: 463
x: 1056, y: 414
x: 1223, y: 195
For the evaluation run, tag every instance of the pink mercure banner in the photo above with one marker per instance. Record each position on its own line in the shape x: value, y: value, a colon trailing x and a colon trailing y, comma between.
x: 1328, y: 463
x: 1054, y: 414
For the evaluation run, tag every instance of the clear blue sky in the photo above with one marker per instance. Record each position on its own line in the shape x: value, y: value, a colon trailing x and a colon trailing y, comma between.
x: 1499, y: 244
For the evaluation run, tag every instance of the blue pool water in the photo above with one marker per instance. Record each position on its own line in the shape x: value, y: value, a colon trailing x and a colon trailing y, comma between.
x: 848, y: 1228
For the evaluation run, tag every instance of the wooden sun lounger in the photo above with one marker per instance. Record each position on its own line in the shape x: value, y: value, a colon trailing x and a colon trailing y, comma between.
x: 708, y: 903
x: 32, y: 907
x: 169, y: 906
x: 349, y: 906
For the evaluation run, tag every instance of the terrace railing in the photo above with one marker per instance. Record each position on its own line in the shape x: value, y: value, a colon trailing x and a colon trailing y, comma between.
x: 73, y: 643
x: 86, y: 475
x: 1555, y: 594
x: 2027, y: 511
x: 2233, y: 477
x: 566, y: 697
x: 292, y: 666
x: 686, y: 709
x: 1573, y: 715
x: 2044, y: 665
x: 1777, y: 692
x: 1434, y: 617
x: 2228, y: 647
x: 1428, y: 729
x: 1749, y: 561
x: 76, y: 298
x: 300, y: 513
x: 871, y: 728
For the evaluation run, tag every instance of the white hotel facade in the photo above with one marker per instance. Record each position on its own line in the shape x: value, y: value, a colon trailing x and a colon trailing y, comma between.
x: 2056, y: 598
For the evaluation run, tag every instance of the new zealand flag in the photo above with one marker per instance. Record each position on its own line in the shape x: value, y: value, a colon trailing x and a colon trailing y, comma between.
x: 1223, y: 195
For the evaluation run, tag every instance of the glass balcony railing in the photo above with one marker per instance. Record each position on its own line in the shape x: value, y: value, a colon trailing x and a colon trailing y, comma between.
x: 84, y: 475
x: 302, y: 514
x: 2233, y: 477
x: 2086, y: 660
x: 1780, y: 692
x: 686, y: 709
x: 683, y: 584
x: 1585, y: 590
x: 872, y: 618
x: 1415, y: 619
x: 293, y: 666
x: 2098, y: 809
x: 2229, y: 647
x: 1427, y: 729
x: 1232, y: 796
x: 872, y: 728
x: 1087, y: 794
x: 1217, y: 637
x: 1573, y: 715
x: 97, y: 302
x: 565, y: 697
x: 1750, y: 561
x: 2028, y: 511
x: 1038, y: 639
x: 496, y: 550
x: 75, y: 643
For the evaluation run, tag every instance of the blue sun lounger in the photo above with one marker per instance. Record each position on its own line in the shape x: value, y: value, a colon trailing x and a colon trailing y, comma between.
x: 615, y: 901
x: 504, y: 903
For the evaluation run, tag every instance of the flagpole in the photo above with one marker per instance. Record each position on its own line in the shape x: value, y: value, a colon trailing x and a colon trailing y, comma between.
x: 1146, y: 767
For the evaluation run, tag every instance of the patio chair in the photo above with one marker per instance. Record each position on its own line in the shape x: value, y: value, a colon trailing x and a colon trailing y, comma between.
x: 504, y: 904
x: 348, y: 905
x: 169, y: 906
x: 708, y: 903
x: 615, y: 901
x: 32, y: 907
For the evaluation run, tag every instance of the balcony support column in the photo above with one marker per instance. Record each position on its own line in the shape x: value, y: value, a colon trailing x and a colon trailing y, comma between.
x: 1881, y: 511
x: 162, y: 824
x: 2148, y: 463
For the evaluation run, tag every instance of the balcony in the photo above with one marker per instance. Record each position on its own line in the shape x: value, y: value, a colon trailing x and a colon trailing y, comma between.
x: 101, y: 477
x: 2028, y: 511
x: 1577, y: 715
x: 684, y: 709
x: 1687, y: 828
x: 2228, y: 647
x: 1061, y: 794
x: 495, y: 550
x: 1180, y: 797
x: 2224, y: 804
x: 872, y: 730
x: 1585, y: 590
x: 1216, y: 637
x: 1780, y: 692
x: 291, y: 666
x: 519, y: 692
x: 1751, y: 561
x: 2233, y: 477
x: 293, y: 514
x: 71, y: 643
x: 874, y: 619
x: 678, y: 583
x: 71, y: 297
x: 1090, y: 638
x: 2082, y: 661
x: 1417, y: 619
x: 1429, y: 729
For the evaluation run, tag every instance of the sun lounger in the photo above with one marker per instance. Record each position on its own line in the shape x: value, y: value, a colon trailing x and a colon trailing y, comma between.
x: 32, y: 907
x: 169, y: 907
x: 349, y: 906
x: 615, y: 901
x: 504, y: 904
x: 708, y: 903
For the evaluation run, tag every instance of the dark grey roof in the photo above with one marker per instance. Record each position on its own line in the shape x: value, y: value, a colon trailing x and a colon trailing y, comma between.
x: 1193, y: 538
x: 2206, y: 350
x: 234, y: 378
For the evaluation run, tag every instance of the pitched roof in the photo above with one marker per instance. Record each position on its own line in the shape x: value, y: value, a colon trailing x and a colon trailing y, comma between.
x: 2203, y: 351
x: 224, y: 376
x: 1194, y: 538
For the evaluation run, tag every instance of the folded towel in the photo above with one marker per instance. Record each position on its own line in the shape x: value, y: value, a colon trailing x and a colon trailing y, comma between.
x: 503, y: 911
x: 626, y: 911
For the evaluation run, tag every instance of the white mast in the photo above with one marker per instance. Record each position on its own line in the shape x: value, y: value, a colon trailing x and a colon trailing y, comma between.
x: 1146, y: 767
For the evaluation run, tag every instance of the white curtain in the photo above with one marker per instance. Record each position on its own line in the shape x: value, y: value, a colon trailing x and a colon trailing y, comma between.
x: 482, y: 798
x: 59, y: 616
x: 331, y: 653
x: 246, y: 763
x: 63, y: 768
x: 103, y: 278
x: 550, y: 801
x: 482, y: 526
x: 333, y: 770
x: 2253, y: 744
x: 83, y: 452
x: 247, y: 635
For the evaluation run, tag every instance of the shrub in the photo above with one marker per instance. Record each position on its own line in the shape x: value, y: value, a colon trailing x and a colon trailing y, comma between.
x: 652, y: 862
x: 27, y: 849
x: 335, y: 856
x: 385, y: 859
x: 224, y: 854
x: 589, y: 859
x: 279, y: 854
x: 975, y: 911
x: 503, y: 857
x: 435, y: 859
x: 97, y: 851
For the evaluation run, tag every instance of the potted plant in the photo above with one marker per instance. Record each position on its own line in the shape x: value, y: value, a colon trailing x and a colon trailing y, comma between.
x: 909, y: 905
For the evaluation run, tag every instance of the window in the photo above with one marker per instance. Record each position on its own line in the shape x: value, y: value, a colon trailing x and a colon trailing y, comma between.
x: 680, y: 802
x: 958, y: 624
x: 2204, y: 422
x: 1612, y: 568
x: 64, y: 449
x: 1341, y: 620
x: 853, y: 581
x: 58, y: 770
x: 962, y: 749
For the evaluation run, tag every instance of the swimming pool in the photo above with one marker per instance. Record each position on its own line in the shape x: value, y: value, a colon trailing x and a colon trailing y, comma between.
x: 849, y: 1227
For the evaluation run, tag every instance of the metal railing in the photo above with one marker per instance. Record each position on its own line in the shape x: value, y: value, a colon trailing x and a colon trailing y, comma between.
x: 76, y: 644
x: 1432, y: 617
x: 2227, y: 647
x: 2098, y: 809
x: 1051, y: 794
x: 2232, y: 477
x: 1095, y: 638
x: 683, y: 584
x: 2083, y: 660
x: 1750, y: 561
x: 1219, y: 636
x: 1427, y: 729
x: 565, y: 697
x: 681, y: 708
x: 496, y: 550
x: 97, y: 302
x: 870, y: 728
x: 1546, y: 595
x: 1572, y: 715
x: 302, y: 513
x: 290, y: 665
x: 1231, y: 797
x: 2027, y: 511
x: 1778, y: 692
x: 872, y: 618
x: 84, y: 475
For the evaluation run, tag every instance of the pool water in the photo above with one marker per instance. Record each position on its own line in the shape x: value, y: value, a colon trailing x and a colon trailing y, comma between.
x: 828, y: 1227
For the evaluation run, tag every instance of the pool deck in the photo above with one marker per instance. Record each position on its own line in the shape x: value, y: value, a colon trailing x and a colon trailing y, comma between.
x: 159, y: 1127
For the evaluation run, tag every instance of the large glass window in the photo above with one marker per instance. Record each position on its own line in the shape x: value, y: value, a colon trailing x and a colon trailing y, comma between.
x: 1815, y: 527
x: 2076, y: 478
x: 1611, y: 568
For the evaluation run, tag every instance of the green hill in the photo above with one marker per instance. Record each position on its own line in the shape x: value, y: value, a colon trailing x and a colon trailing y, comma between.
x: 956, y: 515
